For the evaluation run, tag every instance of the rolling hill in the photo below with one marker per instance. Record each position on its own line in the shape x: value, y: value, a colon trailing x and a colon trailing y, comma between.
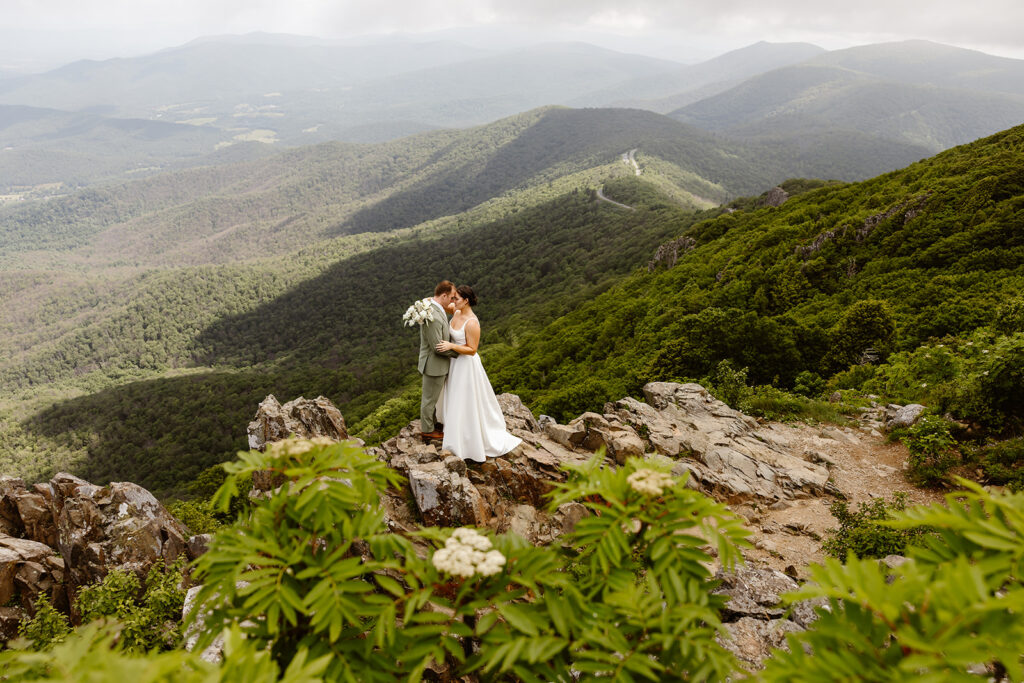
x: 259, y: 208
x: 665, y: 92
x: 797, y: 100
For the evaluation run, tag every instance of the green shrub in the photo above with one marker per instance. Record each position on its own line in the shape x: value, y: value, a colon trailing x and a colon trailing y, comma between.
x: 809, y: 384
x: 728, y: 384
x: 861, y: 534
x: 47, y: 627
x: 149, y: 618
x: 1003, y: 462
x: 932, y: 449
x: 198, y: 515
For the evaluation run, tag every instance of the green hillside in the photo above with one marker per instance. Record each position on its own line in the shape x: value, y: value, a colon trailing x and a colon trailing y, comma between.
x: 166, y: 379
x: 923, y: 265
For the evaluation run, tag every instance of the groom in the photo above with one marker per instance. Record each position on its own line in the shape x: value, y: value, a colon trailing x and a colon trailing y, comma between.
x: 433, y: 364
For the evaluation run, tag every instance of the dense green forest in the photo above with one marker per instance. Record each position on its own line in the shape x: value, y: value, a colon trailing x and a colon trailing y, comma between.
x: 921, y: 268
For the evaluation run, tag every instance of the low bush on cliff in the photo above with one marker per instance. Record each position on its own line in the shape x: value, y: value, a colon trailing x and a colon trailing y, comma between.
x: 860, y: 532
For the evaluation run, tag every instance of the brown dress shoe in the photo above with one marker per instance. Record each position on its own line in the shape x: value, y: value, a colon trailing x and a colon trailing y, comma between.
x: 430, y: 436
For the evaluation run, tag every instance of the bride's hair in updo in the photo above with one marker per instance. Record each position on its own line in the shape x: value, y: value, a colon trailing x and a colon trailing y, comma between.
x: 467, y: 293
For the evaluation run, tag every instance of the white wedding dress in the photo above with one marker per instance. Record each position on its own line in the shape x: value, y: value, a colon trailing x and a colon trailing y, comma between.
x: 474, y: 427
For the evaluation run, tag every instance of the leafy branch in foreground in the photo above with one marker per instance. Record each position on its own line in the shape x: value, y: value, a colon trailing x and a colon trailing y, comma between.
x: 951, y: 613
x: 315, y: 571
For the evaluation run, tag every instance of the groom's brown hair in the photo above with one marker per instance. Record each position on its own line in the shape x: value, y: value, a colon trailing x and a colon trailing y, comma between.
x: 442, y: 287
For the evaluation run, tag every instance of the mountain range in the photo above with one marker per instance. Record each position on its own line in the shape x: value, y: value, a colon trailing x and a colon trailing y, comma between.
x: 290, y: 91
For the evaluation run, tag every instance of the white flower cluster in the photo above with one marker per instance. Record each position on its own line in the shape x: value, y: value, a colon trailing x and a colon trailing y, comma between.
x: 650, y: 482
x: 465, y: 553
x: 418, y: 313
x: 296, y: 446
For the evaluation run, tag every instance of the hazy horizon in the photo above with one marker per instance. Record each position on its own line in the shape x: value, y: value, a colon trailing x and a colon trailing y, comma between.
x: 41, y: 36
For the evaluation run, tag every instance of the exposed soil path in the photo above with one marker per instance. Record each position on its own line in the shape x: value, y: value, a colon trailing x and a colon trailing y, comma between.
x: 863, y: 466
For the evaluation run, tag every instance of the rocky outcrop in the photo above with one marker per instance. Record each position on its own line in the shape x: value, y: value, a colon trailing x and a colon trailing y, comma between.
x: 668, y: 254
x: 68, y: 533
x: 726, y: 452
x: 302, y: 417
x: 773, y: 197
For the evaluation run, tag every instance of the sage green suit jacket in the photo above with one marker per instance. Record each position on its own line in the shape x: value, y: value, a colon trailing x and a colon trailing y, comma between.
x: 432, y: 332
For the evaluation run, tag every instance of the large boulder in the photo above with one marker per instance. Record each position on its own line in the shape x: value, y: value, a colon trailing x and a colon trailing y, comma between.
x: 90, y: 529
x: 727, y: 452
x: 904, y: 416
x: 301, y: 417
x: 119, y: 526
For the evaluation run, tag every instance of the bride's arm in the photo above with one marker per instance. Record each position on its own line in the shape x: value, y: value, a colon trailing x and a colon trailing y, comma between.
x: 472, y: 341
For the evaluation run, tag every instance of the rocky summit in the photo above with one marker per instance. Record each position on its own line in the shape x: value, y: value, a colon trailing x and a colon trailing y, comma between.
x: 725, y: 453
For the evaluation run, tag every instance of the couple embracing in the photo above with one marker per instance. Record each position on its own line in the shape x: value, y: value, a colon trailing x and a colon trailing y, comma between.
x: 458, y: 403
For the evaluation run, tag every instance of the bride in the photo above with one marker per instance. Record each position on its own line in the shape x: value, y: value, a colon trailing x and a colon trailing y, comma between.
x: 474, y: 427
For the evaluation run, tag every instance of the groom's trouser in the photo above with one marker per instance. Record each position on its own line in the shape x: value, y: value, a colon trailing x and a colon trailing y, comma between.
x: 432, y: 386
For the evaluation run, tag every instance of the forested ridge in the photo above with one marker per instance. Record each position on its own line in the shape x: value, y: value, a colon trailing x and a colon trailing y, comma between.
x: 922, y: 268
x: 150, y: 375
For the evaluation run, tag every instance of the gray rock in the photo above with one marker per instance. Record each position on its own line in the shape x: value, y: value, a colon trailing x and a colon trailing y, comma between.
x: 728, y: 453
x: 198, y: 545
x: 567, y: 436
x: 301, y: 417
x: 518, y: 418
x: 905, y: 416
x: 446, y: 498
x: 752, y: 640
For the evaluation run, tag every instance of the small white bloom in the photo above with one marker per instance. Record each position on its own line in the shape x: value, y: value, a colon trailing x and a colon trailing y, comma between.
x: 924, y: 384
x: 985, y: 351
x: 650, y: 482
x: 985, y: 373
x: 970, y: 343
x: 464, y: 555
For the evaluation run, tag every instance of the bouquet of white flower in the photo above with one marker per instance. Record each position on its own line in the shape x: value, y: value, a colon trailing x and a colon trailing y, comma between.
x: 418, y: 313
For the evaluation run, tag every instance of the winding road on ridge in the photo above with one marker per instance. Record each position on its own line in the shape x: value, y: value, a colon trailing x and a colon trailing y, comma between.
x: 627, y: 158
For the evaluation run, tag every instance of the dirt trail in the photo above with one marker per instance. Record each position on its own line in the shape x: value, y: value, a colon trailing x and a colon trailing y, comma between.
x: 863, y: 466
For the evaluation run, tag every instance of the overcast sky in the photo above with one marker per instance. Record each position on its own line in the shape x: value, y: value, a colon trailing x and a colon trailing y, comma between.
x: 35, y: 33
